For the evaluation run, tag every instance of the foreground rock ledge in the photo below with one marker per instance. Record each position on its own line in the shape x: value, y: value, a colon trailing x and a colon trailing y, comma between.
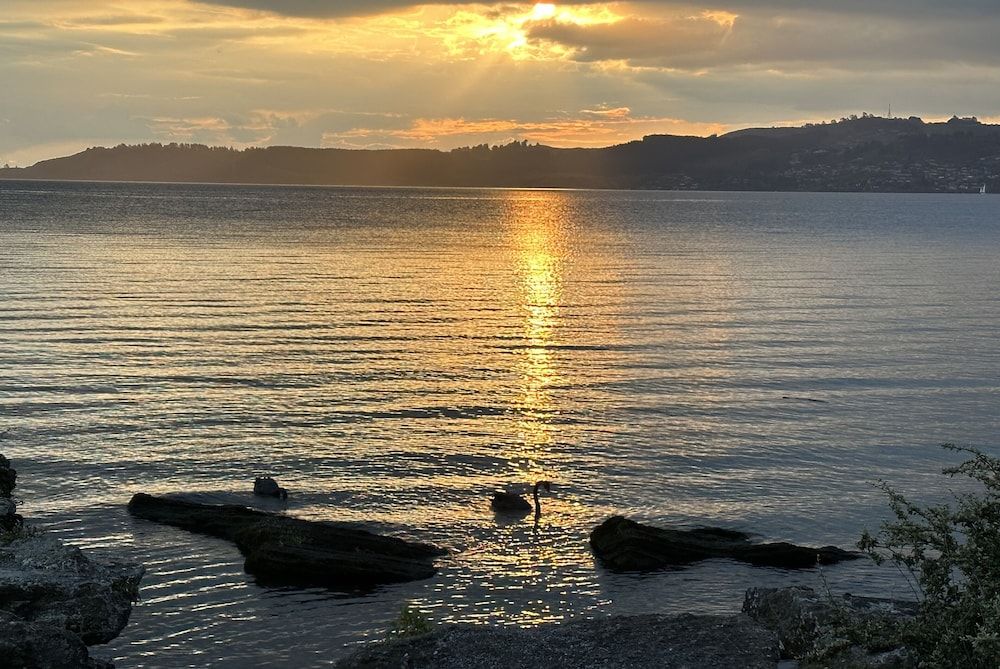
x: 55, y: 600
x: 637, y: 642
x: 284, y: 550
x: 626, y: 545
x: 777, y: 623
x: 810, y: 624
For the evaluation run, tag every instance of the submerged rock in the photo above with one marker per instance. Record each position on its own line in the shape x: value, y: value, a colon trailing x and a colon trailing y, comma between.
x: 284, y: 550
x: 811, y: 625
x: 637, y: 642
x: 626, y: 545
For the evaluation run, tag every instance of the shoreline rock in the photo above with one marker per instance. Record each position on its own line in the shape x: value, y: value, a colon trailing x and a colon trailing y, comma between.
x: 55, y: 600
x: 284, y: 550
x: 10, y: 521
x: 637, y: 642
x: 777, y: 625
x: 45, y: 581
x: 27, y: 645
x: 812, y: 625
x: 626, y: 545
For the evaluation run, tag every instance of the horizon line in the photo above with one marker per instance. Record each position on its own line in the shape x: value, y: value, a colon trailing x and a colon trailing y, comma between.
x: 255, y: 147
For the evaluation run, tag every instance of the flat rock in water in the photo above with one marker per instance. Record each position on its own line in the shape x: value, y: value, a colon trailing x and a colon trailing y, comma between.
x: 626, y: 545
x: 636, y: 642
x: 284, y: 550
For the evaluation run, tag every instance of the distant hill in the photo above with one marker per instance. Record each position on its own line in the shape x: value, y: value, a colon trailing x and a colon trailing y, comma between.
x: 856, y: 154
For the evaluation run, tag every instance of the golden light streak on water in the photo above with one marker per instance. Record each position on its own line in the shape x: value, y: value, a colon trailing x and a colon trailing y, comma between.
x: 538, y: 237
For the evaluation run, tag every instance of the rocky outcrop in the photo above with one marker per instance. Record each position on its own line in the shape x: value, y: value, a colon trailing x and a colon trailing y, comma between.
x: 857, y: 632
x: 55, y: 601
x: 46, y: 582
x: 26, y: 645
x: 284, y: 550
x: 10, y: 521
x: 777, y: 623
x: 626, y: 545
x: 637, y: 642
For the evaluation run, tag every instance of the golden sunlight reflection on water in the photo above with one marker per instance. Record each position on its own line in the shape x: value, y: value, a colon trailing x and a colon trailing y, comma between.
x: 537, y: 231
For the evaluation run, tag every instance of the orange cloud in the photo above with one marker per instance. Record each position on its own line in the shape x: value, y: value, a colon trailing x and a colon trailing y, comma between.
x: 616, y: 113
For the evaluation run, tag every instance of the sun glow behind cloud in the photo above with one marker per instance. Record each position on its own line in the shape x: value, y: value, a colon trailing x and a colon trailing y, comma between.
x: 478, y: 32
x: 395, y: 73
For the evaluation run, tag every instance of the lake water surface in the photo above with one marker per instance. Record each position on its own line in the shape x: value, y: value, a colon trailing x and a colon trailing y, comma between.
x: 393, y: 355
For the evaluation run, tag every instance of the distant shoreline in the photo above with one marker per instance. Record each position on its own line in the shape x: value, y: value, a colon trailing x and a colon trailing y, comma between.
x: 240, y: 184
x: 869, y: 154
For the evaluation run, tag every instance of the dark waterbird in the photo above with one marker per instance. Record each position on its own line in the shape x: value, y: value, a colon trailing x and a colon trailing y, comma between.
x: 510, y: 502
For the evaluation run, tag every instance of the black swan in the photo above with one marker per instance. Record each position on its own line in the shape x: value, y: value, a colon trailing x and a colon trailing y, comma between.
x: 510, y: 502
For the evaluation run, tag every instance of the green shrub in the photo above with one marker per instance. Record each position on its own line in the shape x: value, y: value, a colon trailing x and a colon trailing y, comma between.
x: 409, y: 623
x: 951, y: 552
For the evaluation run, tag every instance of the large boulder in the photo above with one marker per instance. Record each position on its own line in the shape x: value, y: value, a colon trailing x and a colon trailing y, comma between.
x: 27, y: 645
x: 626, y: 545
x: 637, y: 642
x: 46, y: 582
x: 54, y: 600
x: 284, y: 550
x: 833, y: 631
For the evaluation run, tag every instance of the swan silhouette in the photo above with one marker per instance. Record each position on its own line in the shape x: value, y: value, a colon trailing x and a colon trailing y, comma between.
x: 511, y: 502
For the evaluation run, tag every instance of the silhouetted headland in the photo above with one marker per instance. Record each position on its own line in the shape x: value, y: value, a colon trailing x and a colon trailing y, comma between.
x: 855, y: 154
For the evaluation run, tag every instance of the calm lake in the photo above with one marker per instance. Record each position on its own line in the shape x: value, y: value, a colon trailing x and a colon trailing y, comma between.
x: 749, y: 360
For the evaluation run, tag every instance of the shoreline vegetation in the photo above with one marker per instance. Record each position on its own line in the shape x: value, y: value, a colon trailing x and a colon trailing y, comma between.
x: 55, y: 601
x: 856, y: 154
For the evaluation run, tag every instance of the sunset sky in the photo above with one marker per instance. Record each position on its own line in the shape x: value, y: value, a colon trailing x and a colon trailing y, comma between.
x: 392, y: 73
